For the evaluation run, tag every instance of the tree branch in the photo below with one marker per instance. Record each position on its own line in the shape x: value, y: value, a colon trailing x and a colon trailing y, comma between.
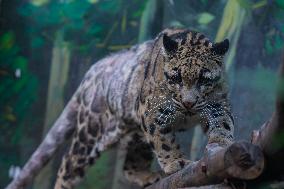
x: 240, y: 160
x: 216, y: 186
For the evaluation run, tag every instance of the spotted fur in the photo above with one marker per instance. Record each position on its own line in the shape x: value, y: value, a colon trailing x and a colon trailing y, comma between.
x: 185, y: 76
x: 179, y: 74
x: 139, y: 96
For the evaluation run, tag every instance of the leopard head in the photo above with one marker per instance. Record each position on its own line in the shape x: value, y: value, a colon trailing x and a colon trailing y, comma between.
x: 193, y: 68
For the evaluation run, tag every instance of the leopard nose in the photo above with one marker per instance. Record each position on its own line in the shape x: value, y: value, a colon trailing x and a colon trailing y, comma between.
x: 188, y: 104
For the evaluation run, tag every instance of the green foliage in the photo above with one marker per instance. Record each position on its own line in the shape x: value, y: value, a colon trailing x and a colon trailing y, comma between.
x: 18, y: 91
x: 88, y: 26
x: 274, y: 38
x: 111, y: 7
x: 244, y: 3
x: 280, y: 3
x: 85, y: 23
x: 273, y: 43
x: 205, y: 18
x: 204, y: 1
x: 18, y: 88
x: 38, y: 2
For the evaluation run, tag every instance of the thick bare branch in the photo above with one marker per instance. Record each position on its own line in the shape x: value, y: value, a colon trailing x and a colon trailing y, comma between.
x: 215, y: 186
x: 240, y: 160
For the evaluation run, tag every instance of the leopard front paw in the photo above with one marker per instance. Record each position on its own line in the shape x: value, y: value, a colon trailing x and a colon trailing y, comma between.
x: 152, y: 178
x: 176, y: 165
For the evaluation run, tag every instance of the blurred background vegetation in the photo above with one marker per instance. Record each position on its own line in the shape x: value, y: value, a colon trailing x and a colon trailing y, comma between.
x: 46, y: 46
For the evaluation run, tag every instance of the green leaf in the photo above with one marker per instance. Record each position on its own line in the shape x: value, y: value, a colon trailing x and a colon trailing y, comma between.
x: 204, y: 1
x: 19, y: 62
x: 278, y: 13
x: 17, y: 87
x: 95, y: 29
x: 7, y: 41
x: 268, y: 46
x: 75, y: 25
x: 111, y: 7
x: 138, y: 13
x: 280, y: 3
x: 244, y: 3
x: 39, y: 2
x: 37, y: 42
x: 205, y: 18
x: 93, y: 1
x: 176, y: 23
x: 279, y: 43
x: 74, y: 10
x: 273, y: 43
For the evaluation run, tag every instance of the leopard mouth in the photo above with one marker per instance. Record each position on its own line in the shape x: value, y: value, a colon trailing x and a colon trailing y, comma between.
x: 200, y: 106
x: 195, y: 106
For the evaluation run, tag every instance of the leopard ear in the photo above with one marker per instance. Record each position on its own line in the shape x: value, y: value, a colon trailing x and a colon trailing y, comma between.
x: 221, y: 48
x: 170, y: 45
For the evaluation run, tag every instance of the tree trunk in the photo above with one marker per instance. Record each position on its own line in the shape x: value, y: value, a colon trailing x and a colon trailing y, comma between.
x: 197, y: 144
x: 216, y: 186
x: 55, y: 100
x: 152, y: 20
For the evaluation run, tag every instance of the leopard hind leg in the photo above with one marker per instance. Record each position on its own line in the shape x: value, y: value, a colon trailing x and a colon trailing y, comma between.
x: 85, y: 148
x: 81, y: 155
x: 137, y: 165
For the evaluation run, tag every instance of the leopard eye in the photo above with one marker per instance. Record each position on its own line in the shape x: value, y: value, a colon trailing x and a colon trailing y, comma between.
x: 205, y: 81
x: 175, y: 78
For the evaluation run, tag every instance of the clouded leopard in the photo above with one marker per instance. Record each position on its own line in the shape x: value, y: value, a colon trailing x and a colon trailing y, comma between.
x: 137, y: 97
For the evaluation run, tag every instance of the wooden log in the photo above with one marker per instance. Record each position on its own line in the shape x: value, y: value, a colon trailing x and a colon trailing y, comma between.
x: 240, y: 160
x: 215, y: 186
